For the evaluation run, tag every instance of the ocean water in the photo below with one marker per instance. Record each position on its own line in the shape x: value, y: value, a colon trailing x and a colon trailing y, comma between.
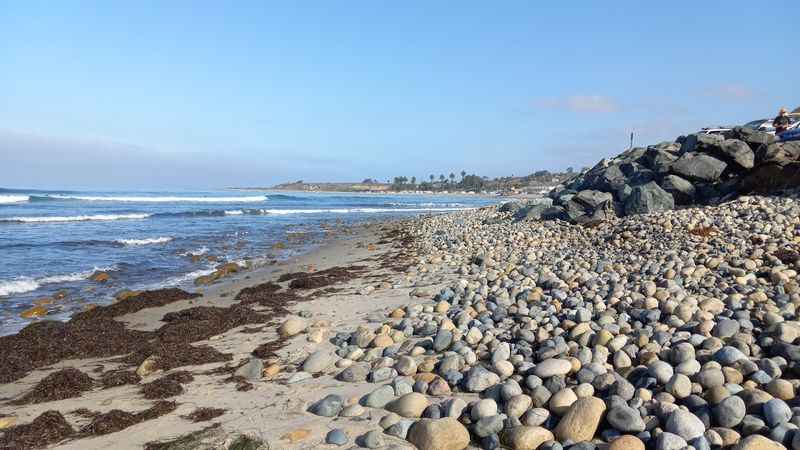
x: 53, y: 241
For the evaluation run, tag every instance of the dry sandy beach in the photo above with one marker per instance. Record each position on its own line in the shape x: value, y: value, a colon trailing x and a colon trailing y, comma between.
x: 273, y: 407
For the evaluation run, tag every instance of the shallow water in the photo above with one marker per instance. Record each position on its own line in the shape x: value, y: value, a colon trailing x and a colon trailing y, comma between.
x: 52, y: 241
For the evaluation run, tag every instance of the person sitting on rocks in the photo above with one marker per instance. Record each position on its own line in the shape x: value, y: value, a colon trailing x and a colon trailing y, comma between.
x: 782, y: 122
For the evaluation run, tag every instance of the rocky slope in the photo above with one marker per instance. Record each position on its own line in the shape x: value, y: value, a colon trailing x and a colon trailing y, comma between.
x: 695, y: 169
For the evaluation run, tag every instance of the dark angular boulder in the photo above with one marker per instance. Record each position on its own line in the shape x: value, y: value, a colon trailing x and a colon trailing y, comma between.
x: 753, y: 138
x: 658, y: 160
x: 698, y: 166
x: 590, y: 204
x: 648, y: 198
x: 681, y: 189
x: 738, y: 153
x: 555, y: 213
x: 777, y: 168
x: 511, y: 206
x: 701, y: 142
x: 531, y: 212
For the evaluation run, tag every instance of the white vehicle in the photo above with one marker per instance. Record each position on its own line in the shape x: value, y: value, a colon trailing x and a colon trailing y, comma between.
x: 764, y: 125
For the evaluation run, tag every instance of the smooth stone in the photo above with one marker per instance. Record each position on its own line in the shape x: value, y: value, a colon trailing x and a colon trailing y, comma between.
x: 670, y: 441
x: 626, y: 442
x: 483, y: 408
x: 526, y: 438
x: 439, y: 434
x: 479, y: 379
x: 252, y: 370
x: 552, y: 367
x: 317, y: 362
x: 581, y: 420
x: 379, y: 397
x: 776, y: 412
x: 625, y: 419
x: 729, y: 412
x: 400, y: 429
x: 685, y: 424
x: 330, y: 406
x: 487, y: 426
x: 372, y: 439
x: 758, y: 442
x: 409, y: 405
x: 336, y: 437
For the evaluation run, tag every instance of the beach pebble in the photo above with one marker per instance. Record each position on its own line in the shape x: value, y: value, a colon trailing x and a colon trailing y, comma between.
x: 317, y: 362
x: 330, y: 406
x: 526, y: 438
x: 292, y: 326
x: 409, y: 405
x: 439, y: 434
x: 336, y: 437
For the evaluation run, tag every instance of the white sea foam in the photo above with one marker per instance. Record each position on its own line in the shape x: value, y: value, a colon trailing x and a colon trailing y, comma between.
x: 199, y: 252
x: 165, y: 199
x: 146, y: 241
x: 235, y: 212
x: 17, y: 286
x: 22, y: 285
x: 11, y: 199
x: 48, y: 219
x: 185, y: 278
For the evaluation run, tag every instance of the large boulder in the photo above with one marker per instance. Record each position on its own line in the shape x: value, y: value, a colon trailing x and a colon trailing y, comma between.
x: 701, y: 142
x: 648, y: 198
x: 738, y: 153
x: 683, y: 191
x: 589, y: 205
x: 777, y: 167
x: 753, y: 138
x: 658, y: 160
x: 699, y: 166
x: 533, y: 209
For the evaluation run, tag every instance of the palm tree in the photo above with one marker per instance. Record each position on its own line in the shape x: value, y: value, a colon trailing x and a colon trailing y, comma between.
x: 432, y: 178
x: 413, y: 180
x: 441, y: 178
x: 463, y: 174
x: 452, y: 177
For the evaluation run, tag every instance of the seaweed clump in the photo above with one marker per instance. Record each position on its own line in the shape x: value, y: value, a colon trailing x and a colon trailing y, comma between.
x: 50, y: 427
x: 59, y: 385
x: 204, y: 414
x: 117, y: 420
x: 167, y: 386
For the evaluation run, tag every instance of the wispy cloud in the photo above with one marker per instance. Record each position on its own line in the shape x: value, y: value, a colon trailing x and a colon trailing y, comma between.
x: 732, y: 92
x: 580, y: 104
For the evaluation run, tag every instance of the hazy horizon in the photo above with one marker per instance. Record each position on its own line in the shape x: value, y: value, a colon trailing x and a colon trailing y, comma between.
x: 186, y: 96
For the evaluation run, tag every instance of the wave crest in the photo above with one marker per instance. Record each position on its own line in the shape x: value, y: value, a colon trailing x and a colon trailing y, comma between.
x: 146, y: 241
x: 165, y: 199
x: 51, y: 219
x: 12, y: 199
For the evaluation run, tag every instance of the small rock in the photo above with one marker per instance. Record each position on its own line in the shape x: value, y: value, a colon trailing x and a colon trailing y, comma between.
x: 330, y: 406
x: 336, y: 437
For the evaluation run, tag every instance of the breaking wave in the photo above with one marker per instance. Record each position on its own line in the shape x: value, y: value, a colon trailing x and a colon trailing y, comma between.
x: 146, y: 241
x: 50, y: 219
x: 13, y: 199
x: 27, y: 284
x: 165, y: 199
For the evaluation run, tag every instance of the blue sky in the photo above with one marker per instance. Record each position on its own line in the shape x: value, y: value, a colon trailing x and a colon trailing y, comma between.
x: 209, y: 94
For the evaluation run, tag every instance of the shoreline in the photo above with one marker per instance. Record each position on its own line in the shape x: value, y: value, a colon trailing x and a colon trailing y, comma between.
x: 360, y: 245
